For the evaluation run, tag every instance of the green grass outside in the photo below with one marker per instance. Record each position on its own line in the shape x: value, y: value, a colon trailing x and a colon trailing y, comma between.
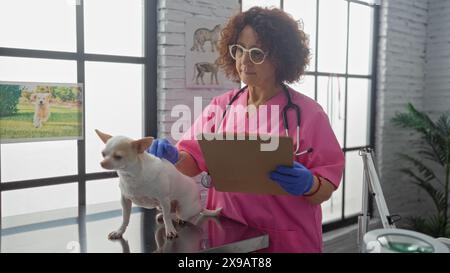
x: 63, y: 122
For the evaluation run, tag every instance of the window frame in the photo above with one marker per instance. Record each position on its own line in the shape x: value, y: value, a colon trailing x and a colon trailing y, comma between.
x: 149, y: 96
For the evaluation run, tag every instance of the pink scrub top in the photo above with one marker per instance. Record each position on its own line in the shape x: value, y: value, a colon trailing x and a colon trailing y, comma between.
x: 292, y: 223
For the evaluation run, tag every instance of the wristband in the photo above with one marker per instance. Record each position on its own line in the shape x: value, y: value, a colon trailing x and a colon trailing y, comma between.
x: 318, y: 188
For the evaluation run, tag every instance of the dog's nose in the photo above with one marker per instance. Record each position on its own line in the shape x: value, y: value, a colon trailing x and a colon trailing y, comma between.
x: 106, y: 164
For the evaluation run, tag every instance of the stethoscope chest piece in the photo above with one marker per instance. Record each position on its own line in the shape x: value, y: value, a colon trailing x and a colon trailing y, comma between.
x: 206, y: 180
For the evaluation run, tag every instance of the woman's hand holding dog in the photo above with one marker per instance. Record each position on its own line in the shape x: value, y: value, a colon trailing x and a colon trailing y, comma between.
x: 163, y: 149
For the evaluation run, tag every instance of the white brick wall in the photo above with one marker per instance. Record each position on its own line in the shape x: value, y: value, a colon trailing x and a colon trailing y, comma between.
x: 414, y: 66
x: 401, y: 79
x: 437, y: 96
x: 171, y: 54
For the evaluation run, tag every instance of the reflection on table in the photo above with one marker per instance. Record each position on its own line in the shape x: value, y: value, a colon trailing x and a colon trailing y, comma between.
x: 86, y: 230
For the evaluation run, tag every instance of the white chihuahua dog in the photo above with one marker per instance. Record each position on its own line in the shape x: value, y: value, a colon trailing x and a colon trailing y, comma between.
x: 150, y: 182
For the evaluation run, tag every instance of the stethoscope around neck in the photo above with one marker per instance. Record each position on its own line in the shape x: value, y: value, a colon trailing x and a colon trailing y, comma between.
x: 206, y: 178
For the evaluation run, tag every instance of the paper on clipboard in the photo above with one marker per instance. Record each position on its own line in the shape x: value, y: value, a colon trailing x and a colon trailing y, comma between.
x: 240, y: 165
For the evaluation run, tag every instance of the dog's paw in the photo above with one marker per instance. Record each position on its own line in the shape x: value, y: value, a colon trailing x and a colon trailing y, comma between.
x: 115, y: 235
x: 180, y: 222
x: 171, y: 234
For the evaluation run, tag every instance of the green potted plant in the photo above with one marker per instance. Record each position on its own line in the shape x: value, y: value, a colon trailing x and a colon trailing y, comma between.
x: 433, y: 150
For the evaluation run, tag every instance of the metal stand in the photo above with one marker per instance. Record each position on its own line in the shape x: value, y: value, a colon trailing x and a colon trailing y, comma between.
x: 371, y: 186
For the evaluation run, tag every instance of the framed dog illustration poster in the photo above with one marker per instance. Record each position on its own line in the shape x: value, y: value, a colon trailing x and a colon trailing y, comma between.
x: 40, y: 111
x: 202, y: 69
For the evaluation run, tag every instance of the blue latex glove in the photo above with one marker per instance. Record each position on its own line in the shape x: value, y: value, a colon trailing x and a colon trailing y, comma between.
x: 163, y: 149
x: 297, y: 180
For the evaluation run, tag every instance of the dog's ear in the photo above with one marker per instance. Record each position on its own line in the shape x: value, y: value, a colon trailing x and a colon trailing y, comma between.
x: 104, y: 137
x: 142, y: 144
x: 33, y: 97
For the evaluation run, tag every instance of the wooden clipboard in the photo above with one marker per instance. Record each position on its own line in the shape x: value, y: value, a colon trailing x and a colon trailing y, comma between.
x: 240, y: 165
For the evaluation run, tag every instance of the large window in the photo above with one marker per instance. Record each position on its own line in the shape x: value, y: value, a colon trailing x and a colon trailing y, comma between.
x: 109, y: 47
x: 342, y: 80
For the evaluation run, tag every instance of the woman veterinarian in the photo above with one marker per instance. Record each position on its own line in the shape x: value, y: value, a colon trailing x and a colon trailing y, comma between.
x: 264, y: 48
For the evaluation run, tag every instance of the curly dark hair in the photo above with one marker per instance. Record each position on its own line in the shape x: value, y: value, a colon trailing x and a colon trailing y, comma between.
x: 279, y: 34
